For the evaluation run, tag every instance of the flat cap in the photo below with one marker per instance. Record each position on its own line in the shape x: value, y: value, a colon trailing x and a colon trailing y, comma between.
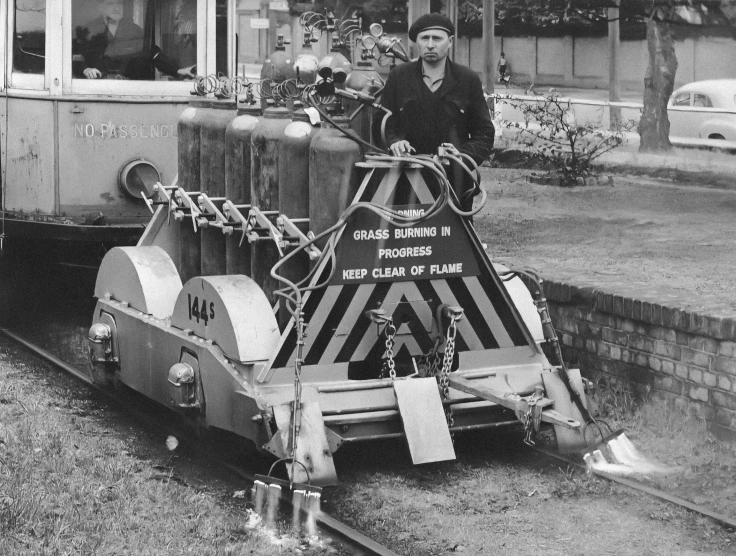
x: 431, y: 21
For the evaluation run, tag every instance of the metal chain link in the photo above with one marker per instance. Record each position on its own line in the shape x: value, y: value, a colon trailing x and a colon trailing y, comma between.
x: 444, y: 372
x: 448, y: 357
x: 529, y: 420
x: 430, y: 362
x: 390, y: 333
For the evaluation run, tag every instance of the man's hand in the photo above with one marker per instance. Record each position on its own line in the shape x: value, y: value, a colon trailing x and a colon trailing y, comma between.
x: 450, y: 149
x: 92, y: 73
x: 187, y: 73
x: 401, y: 148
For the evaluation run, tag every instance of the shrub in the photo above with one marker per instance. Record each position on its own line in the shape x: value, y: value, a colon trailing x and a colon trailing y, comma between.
x: 550, y: 130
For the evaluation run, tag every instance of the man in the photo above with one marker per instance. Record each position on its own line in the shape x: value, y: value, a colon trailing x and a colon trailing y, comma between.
x: 114, y: 46
x: 435, y: 101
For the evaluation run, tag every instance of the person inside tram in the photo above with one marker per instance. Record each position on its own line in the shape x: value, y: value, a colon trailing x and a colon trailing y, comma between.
x: 113, y: 46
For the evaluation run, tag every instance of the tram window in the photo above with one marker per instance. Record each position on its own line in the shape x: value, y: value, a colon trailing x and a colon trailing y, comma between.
x: 29, y: 40
x: 134, y: 39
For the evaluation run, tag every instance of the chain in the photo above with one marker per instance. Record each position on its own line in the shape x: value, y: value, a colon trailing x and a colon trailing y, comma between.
x: 390, y: 331
x: 444, y: 372
x: 296, y: 413
x: 527, y: 422
x: 448, y: 357
x: 529, y: 419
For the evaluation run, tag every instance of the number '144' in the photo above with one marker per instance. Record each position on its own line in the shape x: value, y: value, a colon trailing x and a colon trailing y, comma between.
x: 200, y: 311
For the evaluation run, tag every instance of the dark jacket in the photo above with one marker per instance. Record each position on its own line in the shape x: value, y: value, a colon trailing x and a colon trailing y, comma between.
x: 456, y: 113
x: 111, y: 54
x: 127, y: 53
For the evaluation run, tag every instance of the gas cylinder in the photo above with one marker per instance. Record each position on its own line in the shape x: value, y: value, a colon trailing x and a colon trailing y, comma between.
x: 217, y: 116
x: 237, y: 181
x: 333, y: 177
x: 366, y: 80
x: 306, y: 63
x: 266, y: 140
x: 188, y: 143
x: 294, y: 189
x: 277, y: 68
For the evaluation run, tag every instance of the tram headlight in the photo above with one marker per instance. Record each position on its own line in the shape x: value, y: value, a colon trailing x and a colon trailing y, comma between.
x: 137, y: 178
x: 100, y: 340
x: 182, y: 389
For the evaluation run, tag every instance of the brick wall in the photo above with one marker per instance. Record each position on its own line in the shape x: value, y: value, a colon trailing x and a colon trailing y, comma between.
x: 669, y: 353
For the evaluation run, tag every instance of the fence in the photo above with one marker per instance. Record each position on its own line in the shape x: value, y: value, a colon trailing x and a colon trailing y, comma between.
x: 583, y: 61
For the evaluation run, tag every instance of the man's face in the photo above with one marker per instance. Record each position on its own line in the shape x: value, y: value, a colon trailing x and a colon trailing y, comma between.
x: 112, y: 9
x: 433, y: 45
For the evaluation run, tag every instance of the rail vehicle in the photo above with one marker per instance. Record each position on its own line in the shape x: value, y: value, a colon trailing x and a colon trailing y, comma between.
x: 292, y: 287
x: 82, y: 146
x: 307, y: 293
x: 88, y: 120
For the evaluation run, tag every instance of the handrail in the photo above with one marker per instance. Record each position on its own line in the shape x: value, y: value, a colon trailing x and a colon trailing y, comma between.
x: 685, y: 142
x: 571, y: 100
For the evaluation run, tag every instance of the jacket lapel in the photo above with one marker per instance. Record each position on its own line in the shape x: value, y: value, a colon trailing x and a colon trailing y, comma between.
x: 449, y: 83
x: 417, y: 83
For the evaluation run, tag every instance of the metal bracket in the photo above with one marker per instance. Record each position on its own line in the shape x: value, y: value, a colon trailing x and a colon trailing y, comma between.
x: 211, y: 215
x: 185, y: 205
x: 235, y: 219
x: 263, y: 228
x: 163, y: 194
x: 380, y: 317
x: 294, y: 237
x: 444, y: 315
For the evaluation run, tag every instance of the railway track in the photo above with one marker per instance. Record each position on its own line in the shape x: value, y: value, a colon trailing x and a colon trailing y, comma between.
x: 657, y: 493
x: 330, y: 528
x: 354, y: 541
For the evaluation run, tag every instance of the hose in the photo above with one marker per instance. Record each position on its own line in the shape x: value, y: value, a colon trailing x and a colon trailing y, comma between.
x: 350, y: 134
x: 541, y: 303
x: 293, y: 292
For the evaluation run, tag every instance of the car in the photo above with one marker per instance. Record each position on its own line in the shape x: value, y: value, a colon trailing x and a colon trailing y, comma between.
x: 704, y: 109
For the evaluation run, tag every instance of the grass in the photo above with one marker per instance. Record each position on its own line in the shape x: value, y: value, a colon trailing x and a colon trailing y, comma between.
x: 500, y: 497
x: 676, y: 436
x: 68, y: 486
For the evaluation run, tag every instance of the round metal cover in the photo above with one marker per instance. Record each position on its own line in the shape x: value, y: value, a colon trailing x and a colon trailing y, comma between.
x: 138, y: 177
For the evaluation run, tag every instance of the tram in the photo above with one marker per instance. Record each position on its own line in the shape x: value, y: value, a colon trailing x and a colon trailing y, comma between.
x: 90, y: 95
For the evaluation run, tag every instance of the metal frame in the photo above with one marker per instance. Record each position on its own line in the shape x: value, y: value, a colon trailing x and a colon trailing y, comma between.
x: 57, y: 79
x: 28, y: 82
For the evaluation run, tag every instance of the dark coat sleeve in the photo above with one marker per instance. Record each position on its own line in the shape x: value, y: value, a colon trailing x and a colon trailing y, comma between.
x: 389, y: 100
x: 163, y: 63
x: 480, y: 125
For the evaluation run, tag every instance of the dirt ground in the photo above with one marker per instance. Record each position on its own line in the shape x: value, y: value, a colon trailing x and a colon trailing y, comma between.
x: 642, y: 236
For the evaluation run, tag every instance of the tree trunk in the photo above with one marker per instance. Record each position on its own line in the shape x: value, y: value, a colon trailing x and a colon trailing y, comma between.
x: 659, y: 81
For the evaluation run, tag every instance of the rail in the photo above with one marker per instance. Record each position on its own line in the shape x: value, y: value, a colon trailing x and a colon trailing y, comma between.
x: 331, y: 527
x: 346, y: 533
x: 636, y: 485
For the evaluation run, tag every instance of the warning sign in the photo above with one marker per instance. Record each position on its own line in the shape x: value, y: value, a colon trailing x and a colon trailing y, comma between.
x: 408, y: 272
x: 372, y: 249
